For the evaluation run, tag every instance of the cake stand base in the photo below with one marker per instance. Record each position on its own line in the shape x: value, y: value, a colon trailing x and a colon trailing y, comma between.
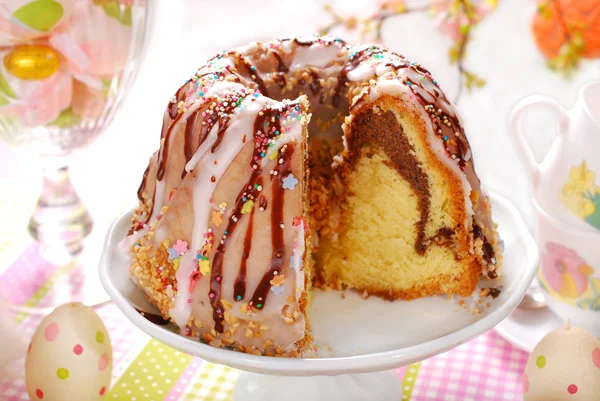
x: 380, y: 386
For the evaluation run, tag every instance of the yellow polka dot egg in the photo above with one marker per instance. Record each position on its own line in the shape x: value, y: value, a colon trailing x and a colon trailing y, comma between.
x: 565, y: 365
x: 70, y: 356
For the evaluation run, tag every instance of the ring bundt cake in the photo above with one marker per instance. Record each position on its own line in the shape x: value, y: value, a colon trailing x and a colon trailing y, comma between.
x: 302, y: 162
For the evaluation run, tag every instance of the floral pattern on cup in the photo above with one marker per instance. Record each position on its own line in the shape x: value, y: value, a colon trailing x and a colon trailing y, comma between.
x: 581, y: 195
x: 569, y: 276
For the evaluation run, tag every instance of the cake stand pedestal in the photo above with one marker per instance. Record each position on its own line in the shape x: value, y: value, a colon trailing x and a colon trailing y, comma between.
x: 380, y: 386
x: 364, y: 339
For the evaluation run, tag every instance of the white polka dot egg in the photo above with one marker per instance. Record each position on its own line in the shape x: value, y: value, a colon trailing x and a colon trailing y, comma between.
x: 565, y: 365
x: 70, y: 356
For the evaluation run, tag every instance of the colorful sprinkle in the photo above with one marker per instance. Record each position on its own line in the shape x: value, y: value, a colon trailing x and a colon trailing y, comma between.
x: 181, y: 247
x: 276, y: 289
x: 176, y: 264
x: 173, y: 254
x: 289, y: 182
x: 247, y: 208
x: 51, y: 332
x: 204, y: 267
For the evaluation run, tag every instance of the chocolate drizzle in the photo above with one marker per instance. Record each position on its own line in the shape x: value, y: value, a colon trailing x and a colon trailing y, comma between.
x: 239, y: 288
x: 223, y: 124
x: 216, y: 274
x: 353, y: 62
x: 262, y: 290
x: 281, y: 67
x: 315, y: 84
x: 266, y: 125
x: 189, y: 147
x: 175, y: 115
x: 252, y: 72
x: 305, y: 42
x: 174, y: 107
x: 163, y: 155
x: 142, y: 187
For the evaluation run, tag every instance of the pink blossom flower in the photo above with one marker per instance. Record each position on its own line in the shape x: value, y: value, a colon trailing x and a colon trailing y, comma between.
x: 37, y: 102
x: 565, y: 271
x: 181, y: 247
x: 94, y: 47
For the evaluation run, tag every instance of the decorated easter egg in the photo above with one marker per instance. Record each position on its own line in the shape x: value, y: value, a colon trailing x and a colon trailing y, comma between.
x: 565, y: 365
x: 70, y: 356
x: 23, y: 20
x: 33, y: 97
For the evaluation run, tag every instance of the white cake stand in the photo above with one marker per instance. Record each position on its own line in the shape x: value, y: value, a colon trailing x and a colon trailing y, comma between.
x: 360, y: 340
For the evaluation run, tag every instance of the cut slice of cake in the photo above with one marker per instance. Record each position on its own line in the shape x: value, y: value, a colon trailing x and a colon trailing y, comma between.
x: 402, y: 224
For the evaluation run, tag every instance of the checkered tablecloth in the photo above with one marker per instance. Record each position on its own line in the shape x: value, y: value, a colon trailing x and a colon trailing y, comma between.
x: 485, y: 369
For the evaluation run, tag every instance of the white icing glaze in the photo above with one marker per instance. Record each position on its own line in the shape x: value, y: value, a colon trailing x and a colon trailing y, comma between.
x: 127, y: 242
x: 317, y: 55
x: 205, y: 169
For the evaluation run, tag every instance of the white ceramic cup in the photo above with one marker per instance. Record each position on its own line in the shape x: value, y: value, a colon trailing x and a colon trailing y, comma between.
x: 569, y: 271
x: 566, y: 182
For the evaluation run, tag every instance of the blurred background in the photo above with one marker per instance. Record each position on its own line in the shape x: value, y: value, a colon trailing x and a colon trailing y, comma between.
x: 184, y: 33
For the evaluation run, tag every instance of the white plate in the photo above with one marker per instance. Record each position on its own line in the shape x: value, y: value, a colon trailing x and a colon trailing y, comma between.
x: 364, y: 335
x: 524, y: 328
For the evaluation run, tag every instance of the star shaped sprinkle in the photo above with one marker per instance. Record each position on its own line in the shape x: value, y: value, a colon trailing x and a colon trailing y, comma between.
x: 290, y: 182
x: 217, y: 218
x: 204, y: 267
x: 278, y: 280
x: 247, y: 208
x: 278, y: 289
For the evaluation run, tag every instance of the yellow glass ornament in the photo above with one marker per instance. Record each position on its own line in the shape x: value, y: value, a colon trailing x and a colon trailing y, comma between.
x: 32, y: 62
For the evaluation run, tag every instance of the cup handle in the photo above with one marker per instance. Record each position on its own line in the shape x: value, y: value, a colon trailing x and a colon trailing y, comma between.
x: 532, y: 166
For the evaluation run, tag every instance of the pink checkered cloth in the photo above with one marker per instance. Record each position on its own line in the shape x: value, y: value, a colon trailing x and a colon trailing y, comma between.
x: 486, y: 369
